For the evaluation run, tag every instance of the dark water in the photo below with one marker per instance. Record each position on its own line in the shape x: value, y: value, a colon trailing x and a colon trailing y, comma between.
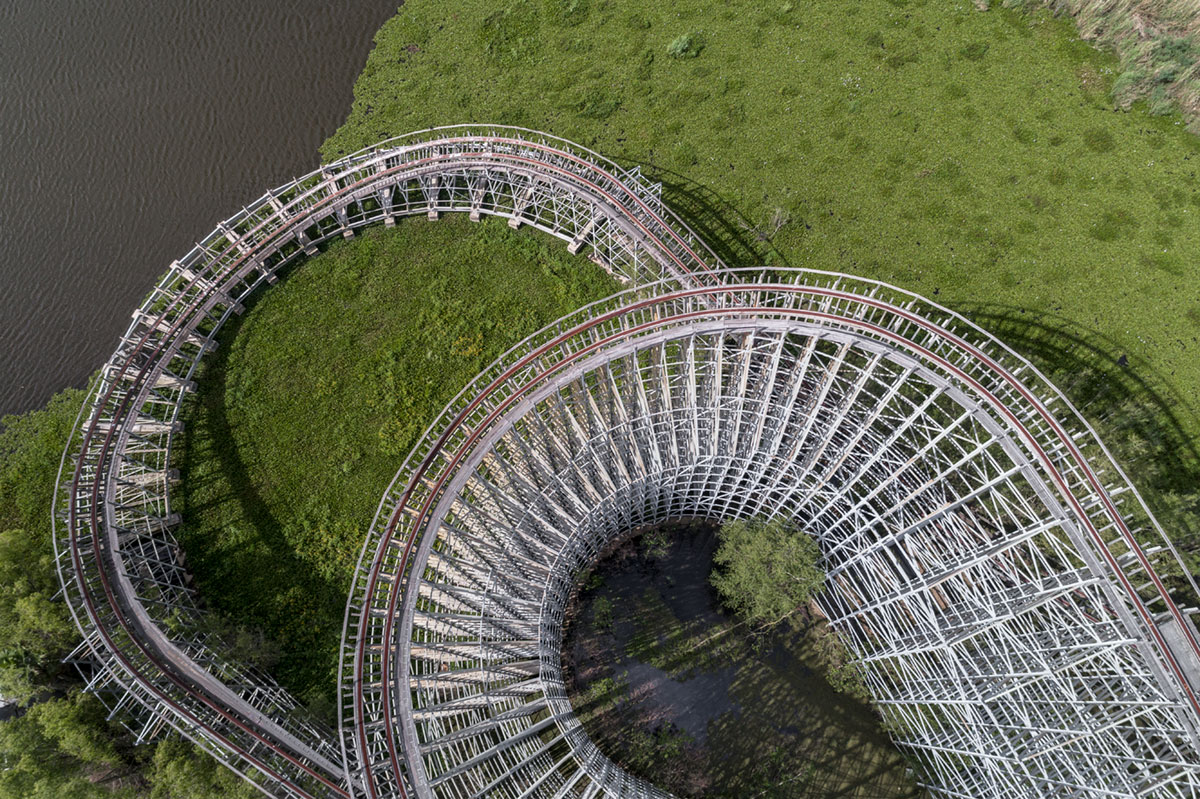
x: 682, y: 694
x: 127, y: 130
x: 679, y: 579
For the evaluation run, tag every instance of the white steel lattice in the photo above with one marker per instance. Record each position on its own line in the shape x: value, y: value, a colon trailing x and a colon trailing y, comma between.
x: 122, y: 573
x: 977, y: 566
x: 1008, y: 615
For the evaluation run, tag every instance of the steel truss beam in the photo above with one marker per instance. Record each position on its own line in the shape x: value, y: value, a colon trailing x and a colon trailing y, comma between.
x: 123, y: 574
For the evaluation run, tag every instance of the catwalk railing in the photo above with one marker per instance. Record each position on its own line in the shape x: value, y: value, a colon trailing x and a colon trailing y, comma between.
x: 121, y: 568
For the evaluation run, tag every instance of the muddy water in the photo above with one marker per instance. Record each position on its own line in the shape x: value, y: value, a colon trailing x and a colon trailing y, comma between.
x: 127, y: 130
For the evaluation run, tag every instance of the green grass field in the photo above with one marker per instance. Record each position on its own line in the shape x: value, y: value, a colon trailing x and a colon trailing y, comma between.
x: 973, y: 157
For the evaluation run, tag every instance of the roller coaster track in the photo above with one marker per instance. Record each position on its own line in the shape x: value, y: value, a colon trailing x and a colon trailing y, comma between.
x: 1007, y: 614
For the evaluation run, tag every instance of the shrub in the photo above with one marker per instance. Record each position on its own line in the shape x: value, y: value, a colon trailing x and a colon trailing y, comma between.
x: 602, y: 613
x: 1099, y: 140
x: 766, y: 568
x: 975, y: 51
x: 566, y: 12
x: 1113, y: 224
x: 1161, y: 103
x: 656, y: 543
x: 687, y: 45
x: 596, y: 103
x: 1171, y: 57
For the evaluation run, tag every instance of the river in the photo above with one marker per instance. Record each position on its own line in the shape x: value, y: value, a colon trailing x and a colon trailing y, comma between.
x: 127, y: 131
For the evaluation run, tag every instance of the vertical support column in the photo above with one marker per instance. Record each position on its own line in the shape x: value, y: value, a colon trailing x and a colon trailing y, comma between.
x: 478, y: 191
x: 385, y: 202
x: 431, y: 187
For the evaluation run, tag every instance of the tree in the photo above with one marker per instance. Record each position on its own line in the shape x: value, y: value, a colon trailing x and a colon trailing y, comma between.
x: 35, y: 629
x: 179, y: 770
x: 766, y: 568
x: 57, y: 749
x: 61, y: 745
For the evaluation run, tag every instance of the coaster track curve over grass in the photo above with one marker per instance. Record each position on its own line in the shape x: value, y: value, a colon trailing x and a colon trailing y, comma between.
x: 699, y: 390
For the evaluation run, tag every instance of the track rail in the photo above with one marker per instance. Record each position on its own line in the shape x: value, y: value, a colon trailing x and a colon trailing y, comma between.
x: 951, y: 343
x: 123, y: 575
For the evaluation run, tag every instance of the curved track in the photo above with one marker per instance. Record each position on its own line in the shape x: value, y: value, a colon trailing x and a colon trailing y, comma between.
x: 1009, y: 617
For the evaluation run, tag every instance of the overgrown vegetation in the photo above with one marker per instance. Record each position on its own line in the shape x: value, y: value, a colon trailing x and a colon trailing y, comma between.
x: 310, y: 412
x: 1146, y: 430
x: 1158, y: 42
x: 974, y: 158
x: 971, y: 157
x: 766, y: 569
x: 60, y: 744
x: 35, y: 630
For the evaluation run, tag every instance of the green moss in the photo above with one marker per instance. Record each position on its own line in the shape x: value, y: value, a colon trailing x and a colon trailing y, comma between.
x: 565, y: 12
x: 511, y: 35
x: 1099, y: 140
x: 1113, y: 224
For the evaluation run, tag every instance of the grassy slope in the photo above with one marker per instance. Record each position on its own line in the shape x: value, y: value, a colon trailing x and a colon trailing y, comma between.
x: 972, y: 157
x: 309, y: 407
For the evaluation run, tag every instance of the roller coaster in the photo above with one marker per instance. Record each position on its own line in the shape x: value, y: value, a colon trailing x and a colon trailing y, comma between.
x: 1019, y: 616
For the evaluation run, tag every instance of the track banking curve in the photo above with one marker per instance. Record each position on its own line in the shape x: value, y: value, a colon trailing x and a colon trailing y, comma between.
x: 131, y: 597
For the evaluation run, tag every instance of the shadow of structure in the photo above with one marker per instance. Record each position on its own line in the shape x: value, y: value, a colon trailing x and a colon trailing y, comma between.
x: 244, y: 565
x: 1114, y: 393
x: 687, y: 696
x: 797, y: 742
x: 1150, y: 427
x: 736, y: 240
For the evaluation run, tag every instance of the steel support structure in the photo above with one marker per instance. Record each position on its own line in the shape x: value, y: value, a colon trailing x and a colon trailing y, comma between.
x: 1006, y: 612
